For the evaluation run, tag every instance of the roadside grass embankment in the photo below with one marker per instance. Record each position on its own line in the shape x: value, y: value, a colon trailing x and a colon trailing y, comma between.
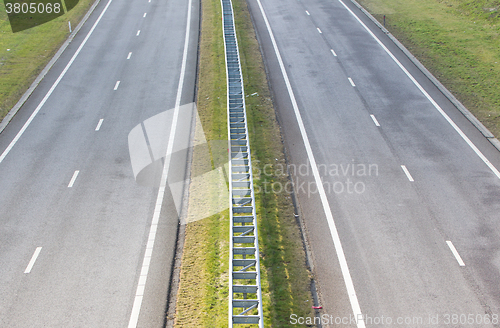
x: 458, y: 41
x: 202, y: 298
x: 24, y: 54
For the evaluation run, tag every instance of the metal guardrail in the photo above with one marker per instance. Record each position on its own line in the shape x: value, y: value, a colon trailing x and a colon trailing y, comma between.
x: 245, y: 297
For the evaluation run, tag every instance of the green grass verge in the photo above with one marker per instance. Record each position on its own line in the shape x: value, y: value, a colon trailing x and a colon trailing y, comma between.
x: 458, y: 41
x: 202, y: 299
x: 24, y: 54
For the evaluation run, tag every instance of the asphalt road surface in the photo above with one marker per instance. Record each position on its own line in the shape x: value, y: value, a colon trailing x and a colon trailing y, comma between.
x: 405, y: 230
x: 74, y: 224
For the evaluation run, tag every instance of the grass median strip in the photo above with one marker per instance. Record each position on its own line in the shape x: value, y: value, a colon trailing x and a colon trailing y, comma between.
x: 458, y: 41
x: 203, y: 292
x: 24, y: 54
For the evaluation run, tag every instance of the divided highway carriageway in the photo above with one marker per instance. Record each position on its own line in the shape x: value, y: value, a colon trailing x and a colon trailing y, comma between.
x: 399, y: 192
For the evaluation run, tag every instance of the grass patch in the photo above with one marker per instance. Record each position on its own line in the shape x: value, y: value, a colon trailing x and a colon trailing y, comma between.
x: 203, y: 287
x: 458, y: 41
x: 202, y: 299
x: 24, y: 54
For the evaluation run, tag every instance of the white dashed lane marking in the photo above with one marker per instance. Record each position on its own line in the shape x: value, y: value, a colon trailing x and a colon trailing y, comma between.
x: 407, y: 173
x: 455, y: 253
x: 73, y: 179
x: 374, y: 120
x: 99, y: 124
x: 33, y: 260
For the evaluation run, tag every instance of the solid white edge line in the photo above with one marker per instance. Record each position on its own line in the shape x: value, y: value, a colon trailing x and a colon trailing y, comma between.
x: 129, y: 55
x: 408, y: 175
x: 33, y: 260
x: 333, y: 52
x: 375, y: 120
x: 353, y: 299
x: 351, y: 81
x: 40, y: 105
x: 434, y: 103
x: 141, y: 285
x: 455, y: 253
x: 116, y: 85
x: 98, y: 127
x: 308, y: 13
x: 319, y: 30
x: 73, y: 179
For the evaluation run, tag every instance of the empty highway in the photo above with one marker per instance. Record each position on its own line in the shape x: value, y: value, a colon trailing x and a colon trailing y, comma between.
x: 76, y: 229
x: 404, y: 227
